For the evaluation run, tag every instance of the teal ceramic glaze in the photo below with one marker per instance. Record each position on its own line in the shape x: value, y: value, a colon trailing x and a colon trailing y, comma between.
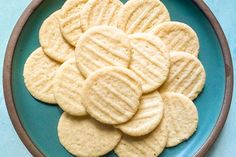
x: 40, y: 120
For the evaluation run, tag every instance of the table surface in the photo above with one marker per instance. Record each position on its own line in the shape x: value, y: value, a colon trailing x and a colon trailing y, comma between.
x: 10, y: 144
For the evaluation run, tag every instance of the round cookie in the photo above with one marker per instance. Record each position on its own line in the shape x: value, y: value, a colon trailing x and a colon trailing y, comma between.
x: 178, y: 37
x: 150, y: 60
x: 187, y: 75
x: 142, y: 15
x: 68, y: 87
x: 39, y: 72
x: 150, y: 145
x: 102, y: 46
x: 52, y: 41
x: 147, y: 118
x: 70, y: 20
x: 100, y: 12
x: 181, y: 116
x: 84, y: 136
x: 111, y: 95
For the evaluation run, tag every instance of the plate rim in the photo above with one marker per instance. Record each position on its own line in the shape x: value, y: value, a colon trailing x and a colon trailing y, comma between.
x: 7, y: 81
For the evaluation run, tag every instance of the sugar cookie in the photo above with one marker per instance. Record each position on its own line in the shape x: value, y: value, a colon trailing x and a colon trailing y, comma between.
x: 187, y: 75
x: 150, y: 145
x: 111, y: 95
x: 83, y: 136
x: 67, y: 86
x: 100, y: 12
x: 150, y: 60
x: 182, y: 117
x: 100, y: 47
x: 147, y: 118
x: 70, y: 20
x: 39, y: 72
x: 52, y: 41
x: 178, y: 37
x: 142, y: 15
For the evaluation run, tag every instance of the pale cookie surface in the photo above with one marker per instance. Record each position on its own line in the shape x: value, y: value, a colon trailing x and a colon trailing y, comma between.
x: 150, y: 60
x: 84, y: 136
x: 187, y: 75
x: 100, y: 47
x: 147, y: 118
x: 182, y: 117
x: 68, y: 87
x: 100, y: 12
x: 39, y: 72
x: 111, y: 95
x: 52, y: 41
x: 150, y: 145
x: 70, y: 22
x: 142, y: 15
x: 178, y: 37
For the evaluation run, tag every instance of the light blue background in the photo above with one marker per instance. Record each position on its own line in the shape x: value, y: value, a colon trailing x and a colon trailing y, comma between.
x: 10, y: 144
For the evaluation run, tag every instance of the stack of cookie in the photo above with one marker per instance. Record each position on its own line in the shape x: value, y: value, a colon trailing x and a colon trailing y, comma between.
x: 124, y: 75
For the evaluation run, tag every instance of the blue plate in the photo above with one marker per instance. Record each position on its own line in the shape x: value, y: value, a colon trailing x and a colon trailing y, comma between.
x: 36, y: 123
